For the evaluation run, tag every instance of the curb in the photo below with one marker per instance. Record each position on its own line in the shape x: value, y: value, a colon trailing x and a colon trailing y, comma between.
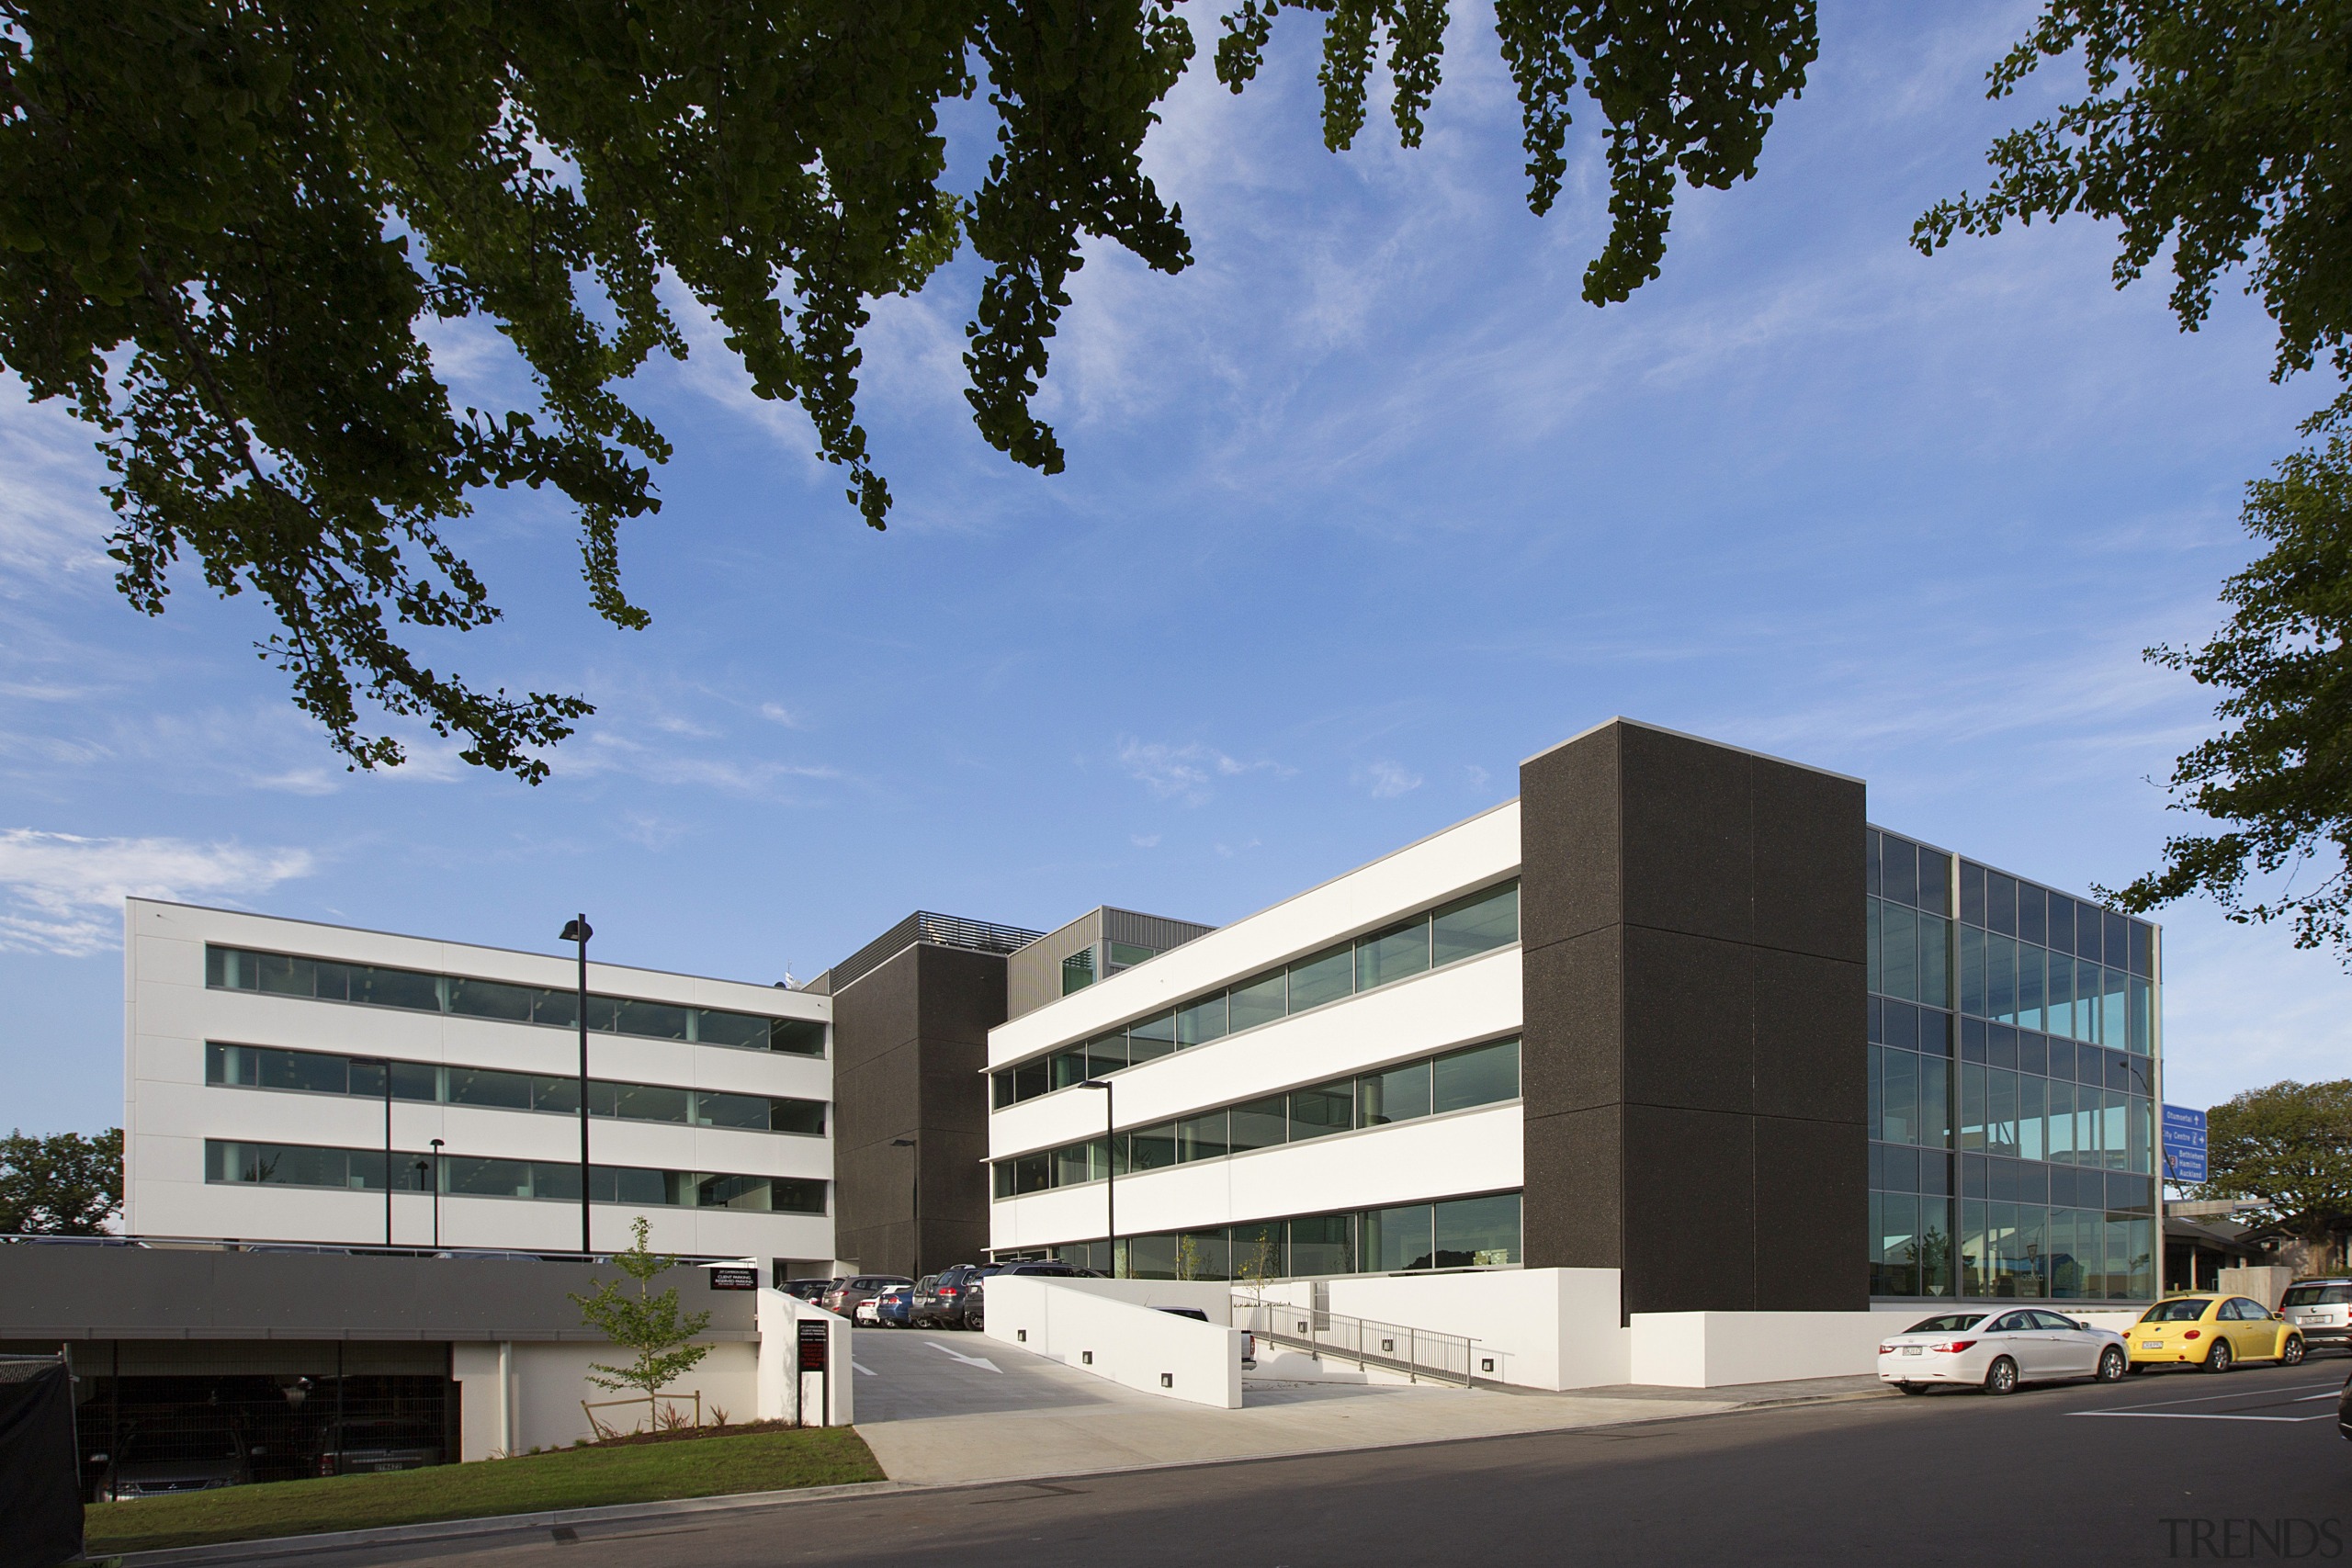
x: 498, y: 1524
x: 449, y: 1530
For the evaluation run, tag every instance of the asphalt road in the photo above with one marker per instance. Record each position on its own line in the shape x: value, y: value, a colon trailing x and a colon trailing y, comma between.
x: 2164, y: 1467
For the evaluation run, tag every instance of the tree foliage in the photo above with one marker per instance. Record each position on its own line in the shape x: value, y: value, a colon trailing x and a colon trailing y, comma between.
x: 230, y: 231
x: 2288, y: 1146
x: 646, y: 1321
x: 2220, y: 130
x: 63, y: 1185
x: 2280, y: 772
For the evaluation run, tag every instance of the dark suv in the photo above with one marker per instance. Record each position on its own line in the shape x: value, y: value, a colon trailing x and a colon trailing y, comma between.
x: 975, y: 1303
x: 940, y: 1303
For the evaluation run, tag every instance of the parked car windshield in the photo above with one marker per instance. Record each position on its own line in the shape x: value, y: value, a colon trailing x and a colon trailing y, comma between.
x: 2176, y: 1312
x: 2317, y: 1295
x: 1948, y: 1323
x: 170, y: 1446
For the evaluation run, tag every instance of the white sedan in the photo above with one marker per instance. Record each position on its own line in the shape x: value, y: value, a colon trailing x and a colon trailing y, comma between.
x: 867, y: 1311
x: 1996, y: 1351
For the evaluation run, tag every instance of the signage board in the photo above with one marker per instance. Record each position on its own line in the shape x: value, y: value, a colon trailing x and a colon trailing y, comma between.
x: 816, y: 1341
x: 2184, y: 1143
x: 729, y: 1277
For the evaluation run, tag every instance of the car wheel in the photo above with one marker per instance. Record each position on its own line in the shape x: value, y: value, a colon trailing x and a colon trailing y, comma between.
x: 2291, y: 1354
x: 2001, y: 1377
x: 1912, y: 1387
x: 2218, y: 1359
x: 975, y: 1321
x: 2111, y: 1364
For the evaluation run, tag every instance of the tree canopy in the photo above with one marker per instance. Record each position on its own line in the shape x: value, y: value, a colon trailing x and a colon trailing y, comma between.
x: 66, y: 1184
x: 229, y: 229
x: 2221, y: 133
x: 2288, y: 1146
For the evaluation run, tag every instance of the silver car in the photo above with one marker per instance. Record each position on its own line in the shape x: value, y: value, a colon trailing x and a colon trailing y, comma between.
x: 2322, y: 1309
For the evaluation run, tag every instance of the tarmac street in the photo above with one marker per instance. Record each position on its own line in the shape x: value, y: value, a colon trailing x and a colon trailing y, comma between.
x: 2171, y: 1468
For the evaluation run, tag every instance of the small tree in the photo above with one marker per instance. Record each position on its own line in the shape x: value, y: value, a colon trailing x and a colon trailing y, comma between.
x: 64, y: 1185
x: 646, y: 1323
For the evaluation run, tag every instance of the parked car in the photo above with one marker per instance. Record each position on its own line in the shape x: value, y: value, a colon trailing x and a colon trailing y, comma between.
x: 2344, y: 1412
x: 940, y: 1302
x: 160, y: 1459
x: 847, y: 1294
x: 2214, y: 1332
x: 975, y: 1302
x: 2321, y: 1309
x: 364, y: 1448
x: 811, y: 1291
x: 1998, y: 1351
x: 891, y: 1307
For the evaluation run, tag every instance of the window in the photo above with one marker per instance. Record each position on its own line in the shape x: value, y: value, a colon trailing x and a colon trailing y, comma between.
x: 1258, y: 1124
x: 1460, y: 1080
x: 1478, y: 924
x: 1326, y: 977
x: 239, y: 969
x: 317, y: 1072
x: 1477, y: 1232
x: 1327, y: 1108
x: 1400, y: 1094
x: 1078, y: 971
x: 1467, y: 927
x: 1478, y: 1076
x: 1261, y: 1002
x: 1392, y: 956
x: 283, y: 1164
x: 1397, y: 1239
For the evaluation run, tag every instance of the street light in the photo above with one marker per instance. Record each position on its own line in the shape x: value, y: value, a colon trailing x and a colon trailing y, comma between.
x: 1110, y: 1169
x: 916, y: 1160
x: 436, y: 1194
x: 579, y: 930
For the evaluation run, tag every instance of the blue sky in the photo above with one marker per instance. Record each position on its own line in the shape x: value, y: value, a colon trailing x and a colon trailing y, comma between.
x: 1361, y: 511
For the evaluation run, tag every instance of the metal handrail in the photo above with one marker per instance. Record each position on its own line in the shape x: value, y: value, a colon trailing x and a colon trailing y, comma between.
x: 1419, y: 1353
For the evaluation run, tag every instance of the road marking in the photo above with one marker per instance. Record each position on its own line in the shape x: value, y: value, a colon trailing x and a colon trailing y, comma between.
x: 862, y: 1367
x: 2184, y: 1416
x: 967, y: 1360
x: 2218, y: 1394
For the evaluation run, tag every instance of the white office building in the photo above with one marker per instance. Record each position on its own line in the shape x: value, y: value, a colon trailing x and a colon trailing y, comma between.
x: 290, y: 1081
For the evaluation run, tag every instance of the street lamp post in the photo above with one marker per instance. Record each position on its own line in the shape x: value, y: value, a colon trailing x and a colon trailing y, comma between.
x: 436, y: 1194
x: 1110, y: 1169
x: 916, y: 1160
x: 579, y: 930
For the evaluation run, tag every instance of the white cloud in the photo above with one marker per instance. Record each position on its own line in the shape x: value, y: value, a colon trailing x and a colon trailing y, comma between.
x: 1388, y: 779
x: 66, y: 892
x: 1182, y: 773
x: 1144, y: 841
x: 776, y: 713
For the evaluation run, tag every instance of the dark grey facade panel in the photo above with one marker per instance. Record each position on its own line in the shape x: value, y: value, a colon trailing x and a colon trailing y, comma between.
x: 139, y: 1293
x: 909, y: 1060
x: 946, y: 930
x: 1694, y: 1053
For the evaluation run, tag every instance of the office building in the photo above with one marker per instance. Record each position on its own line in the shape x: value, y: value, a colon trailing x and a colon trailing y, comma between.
x: 1678, y: 1012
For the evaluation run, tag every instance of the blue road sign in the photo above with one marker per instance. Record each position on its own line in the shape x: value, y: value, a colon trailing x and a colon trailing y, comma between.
x: 2184, y: 1143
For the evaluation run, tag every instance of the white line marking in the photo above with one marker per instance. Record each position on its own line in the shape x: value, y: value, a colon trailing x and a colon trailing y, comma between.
x: 2238, y: 1394
x: 862, y: 1367
x: 2184, y: 1415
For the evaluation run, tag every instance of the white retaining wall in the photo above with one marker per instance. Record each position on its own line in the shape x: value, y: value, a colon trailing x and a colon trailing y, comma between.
x: 1081, y: 1325
x: 519, y: 1395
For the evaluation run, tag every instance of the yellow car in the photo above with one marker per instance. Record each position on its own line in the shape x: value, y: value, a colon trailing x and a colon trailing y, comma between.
x: 2214, y: 1332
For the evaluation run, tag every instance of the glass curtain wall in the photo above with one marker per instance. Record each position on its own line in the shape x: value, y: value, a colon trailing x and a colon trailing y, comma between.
x: 2011, y: 1083
x: 1454, y: 1233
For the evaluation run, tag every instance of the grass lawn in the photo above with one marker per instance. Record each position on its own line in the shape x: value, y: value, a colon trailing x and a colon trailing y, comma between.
x: 568, y: 1478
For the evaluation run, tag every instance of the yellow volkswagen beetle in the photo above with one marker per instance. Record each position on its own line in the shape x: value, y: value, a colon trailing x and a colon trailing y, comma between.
x: 2211, y: 1331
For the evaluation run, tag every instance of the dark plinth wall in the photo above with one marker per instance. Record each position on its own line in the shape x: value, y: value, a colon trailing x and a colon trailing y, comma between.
x: 1695, y: 1047
x: 909, y: 1060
